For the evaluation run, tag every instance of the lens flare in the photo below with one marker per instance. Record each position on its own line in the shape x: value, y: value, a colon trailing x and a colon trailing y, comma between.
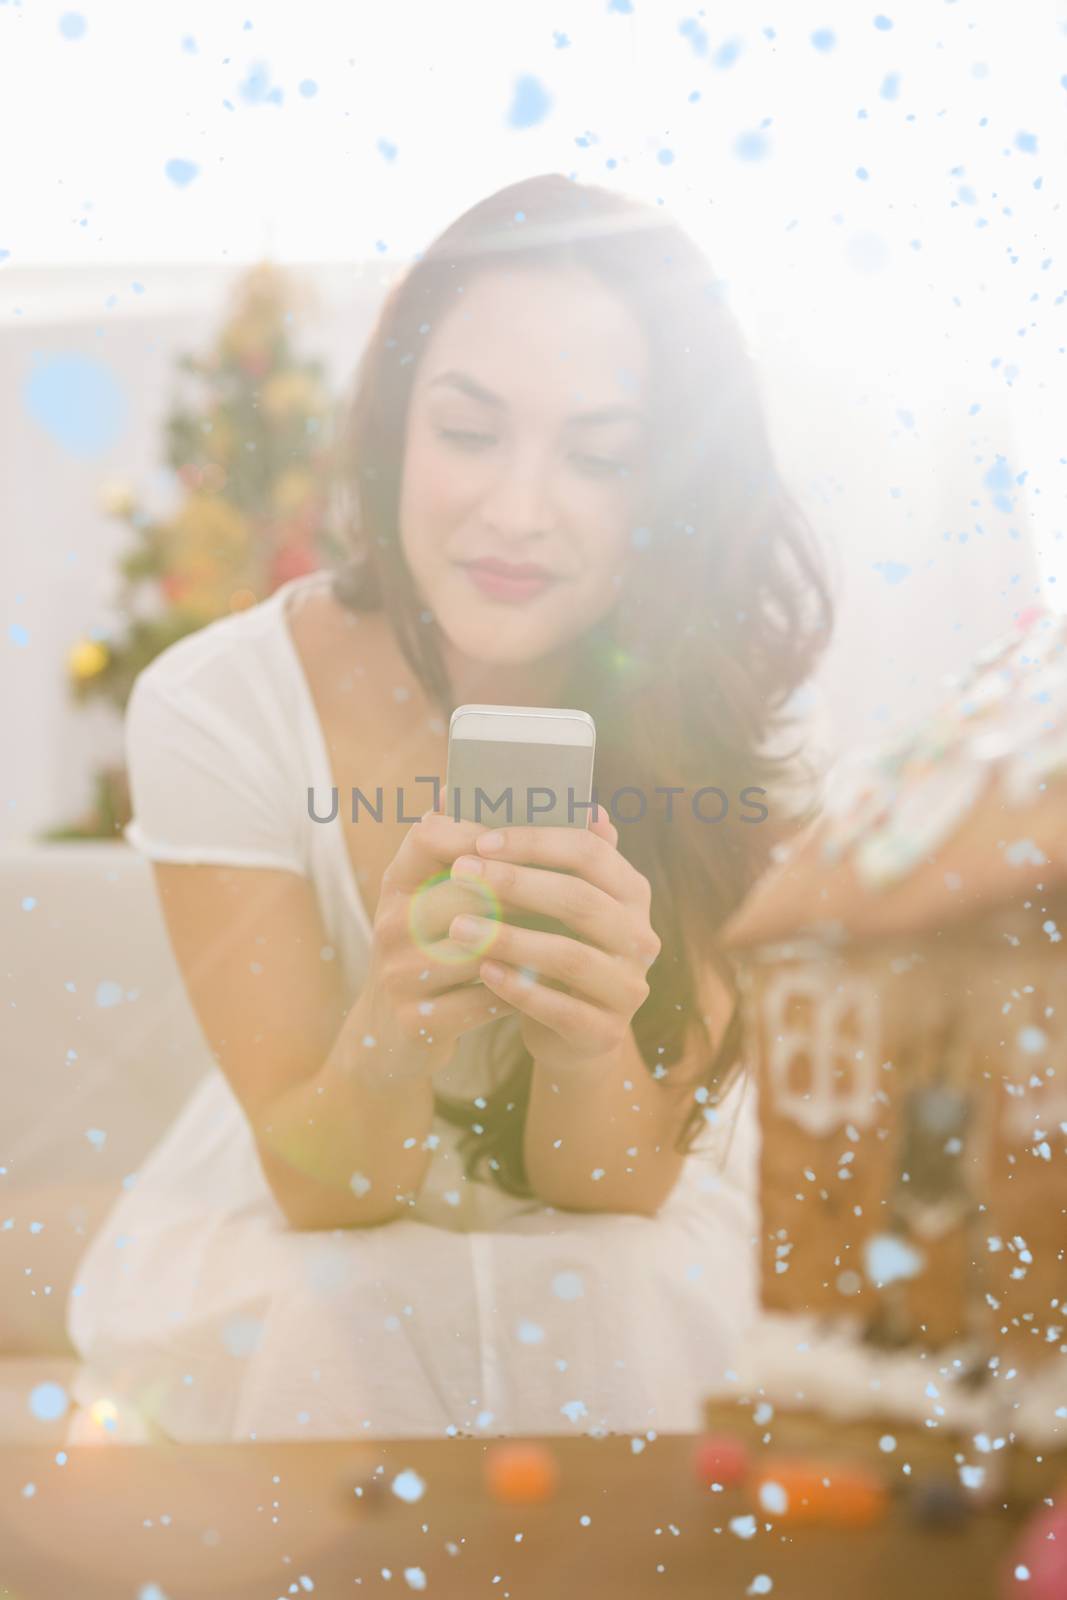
x: 105, y: 1414
x: 432, y: 944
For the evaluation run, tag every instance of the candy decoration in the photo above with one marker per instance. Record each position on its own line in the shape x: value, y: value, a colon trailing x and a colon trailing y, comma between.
x: 832, y: 1492
x: 940, y: 1503
x: 520, y: 1474
x: 720, y: 1458
x: 1037, y: 1569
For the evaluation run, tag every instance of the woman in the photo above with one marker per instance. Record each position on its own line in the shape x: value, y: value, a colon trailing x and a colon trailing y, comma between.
x: 424, y: 1194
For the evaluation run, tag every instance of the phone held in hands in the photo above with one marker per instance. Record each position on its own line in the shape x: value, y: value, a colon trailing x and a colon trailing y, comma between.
x: 521, y: 765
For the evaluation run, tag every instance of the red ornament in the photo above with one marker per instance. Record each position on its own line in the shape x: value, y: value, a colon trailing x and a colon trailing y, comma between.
x: 720, y: 1458
x: 292, y: 561
x: 256, y: 363
x: 1037, y: 1569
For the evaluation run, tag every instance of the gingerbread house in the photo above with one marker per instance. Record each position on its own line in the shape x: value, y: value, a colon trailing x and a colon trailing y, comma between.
x: 903, y: 973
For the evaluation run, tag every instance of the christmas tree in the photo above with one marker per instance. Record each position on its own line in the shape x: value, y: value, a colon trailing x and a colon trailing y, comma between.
x: 255, y: 464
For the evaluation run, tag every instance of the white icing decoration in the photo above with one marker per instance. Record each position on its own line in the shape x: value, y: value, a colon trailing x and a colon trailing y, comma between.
x: 828, y: 1105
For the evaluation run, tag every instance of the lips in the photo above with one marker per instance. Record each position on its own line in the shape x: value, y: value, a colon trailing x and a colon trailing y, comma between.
x: 502, y: 580
x: 505, y: 569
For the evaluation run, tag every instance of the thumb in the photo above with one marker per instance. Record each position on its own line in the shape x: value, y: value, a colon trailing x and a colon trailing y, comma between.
x: 600, y: 823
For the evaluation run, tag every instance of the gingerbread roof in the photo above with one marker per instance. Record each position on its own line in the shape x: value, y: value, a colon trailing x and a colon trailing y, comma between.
x: 964, y: 813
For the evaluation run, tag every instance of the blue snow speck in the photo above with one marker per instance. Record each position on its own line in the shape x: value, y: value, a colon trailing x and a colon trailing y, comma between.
x: 1027, y: 143
x: 28, y: 903
x: 18, y: 634
x: 242, y: 1335
x: 78, y: 400
x: 690, y: 29
x: 890, y: 86
x: 96, y: 1137
x: 887, y: 1259
x: 883, y: 24
x: 72, y: 25
x: 824, y: 39
x: 529, y: 103
x: 180, y: 171
x: 750, y: 147
x: 665, y: 157
x: 567, y: 1286
x: 530, y: 1333
x: 622, y: 6
x: 726, y: 54
x: 48, y: 1401
x: 308, y: 88
x: 407, y: 1485
x: 892, y: 571
x: 386, y: 149
x: 108, y: 993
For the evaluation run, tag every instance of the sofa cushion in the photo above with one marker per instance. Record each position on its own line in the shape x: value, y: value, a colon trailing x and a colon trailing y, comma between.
x: 99, y: 1049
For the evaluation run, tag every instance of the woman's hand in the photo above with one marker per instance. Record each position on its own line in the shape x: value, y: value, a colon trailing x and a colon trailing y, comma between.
x: 578, y: 877
x: 423, y: 990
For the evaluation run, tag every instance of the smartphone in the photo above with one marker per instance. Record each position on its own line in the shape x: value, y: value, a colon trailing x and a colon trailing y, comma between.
x: 522, y: 765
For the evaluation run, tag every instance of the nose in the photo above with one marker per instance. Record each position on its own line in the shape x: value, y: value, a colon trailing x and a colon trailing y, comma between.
x: 519, y: 503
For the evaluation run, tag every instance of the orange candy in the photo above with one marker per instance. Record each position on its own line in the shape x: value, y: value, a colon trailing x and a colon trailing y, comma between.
x: 520, y: 1474
x: 837, y: 1492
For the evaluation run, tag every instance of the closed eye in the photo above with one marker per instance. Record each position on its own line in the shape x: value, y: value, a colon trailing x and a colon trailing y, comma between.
x: 465, y: 438
x: 601, y: 466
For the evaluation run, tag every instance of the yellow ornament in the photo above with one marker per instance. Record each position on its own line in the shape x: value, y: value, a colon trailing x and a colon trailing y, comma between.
x: 287, y: 394
x: 292, y: 489
x: 87, y: 659
x: 207, y: 548
x: 117, y: 497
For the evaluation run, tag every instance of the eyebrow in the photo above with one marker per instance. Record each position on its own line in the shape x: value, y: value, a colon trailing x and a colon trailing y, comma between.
x: 476, y: 391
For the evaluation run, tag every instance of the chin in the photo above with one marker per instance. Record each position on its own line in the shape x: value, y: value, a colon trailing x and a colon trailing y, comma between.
x: 502, y: 634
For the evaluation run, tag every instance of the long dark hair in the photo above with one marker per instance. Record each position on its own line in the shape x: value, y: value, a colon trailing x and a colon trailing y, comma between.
x: 724, y: 612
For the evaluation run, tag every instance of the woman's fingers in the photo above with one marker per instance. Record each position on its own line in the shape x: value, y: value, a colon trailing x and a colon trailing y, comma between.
x: 587, y: 909
x: 461, y: 1009
x: 429, y: 846
x: 587, y: 853
x: 584, y: 1029
x: 601, y: 978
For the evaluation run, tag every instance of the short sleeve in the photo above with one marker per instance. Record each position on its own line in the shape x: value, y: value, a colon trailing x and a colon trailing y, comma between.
x: 203, y: 787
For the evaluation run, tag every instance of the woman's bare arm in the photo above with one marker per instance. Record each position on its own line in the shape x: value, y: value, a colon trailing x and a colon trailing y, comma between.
x: 337, y: 1089
x: 269, y: 997
x: 603, y: 1138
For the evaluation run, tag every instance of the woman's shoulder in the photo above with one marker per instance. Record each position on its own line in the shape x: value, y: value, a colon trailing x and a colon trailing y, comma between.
x: 234, y: 660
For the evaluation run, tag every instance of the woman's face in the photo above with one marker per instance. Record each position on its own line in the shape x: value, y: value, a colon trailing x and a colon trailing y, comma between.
x: 525, y: 449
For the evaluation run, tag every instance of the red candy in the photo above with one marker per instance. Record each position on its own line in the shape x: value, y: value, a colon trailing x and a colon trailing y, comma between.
x: 831, y: 1492
x: 520, y: 1474
x: 1038, y: 1566
x: 720, y: 1458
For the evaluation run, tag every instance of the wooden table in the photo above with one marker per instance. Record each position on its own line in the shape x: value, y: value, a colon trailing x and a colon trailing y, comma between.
x: 267, y: 1520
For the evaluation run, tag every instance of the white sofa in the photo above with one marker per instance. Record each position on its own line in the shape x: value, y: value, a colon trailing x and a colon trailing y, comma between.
x: 99, y: 1048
